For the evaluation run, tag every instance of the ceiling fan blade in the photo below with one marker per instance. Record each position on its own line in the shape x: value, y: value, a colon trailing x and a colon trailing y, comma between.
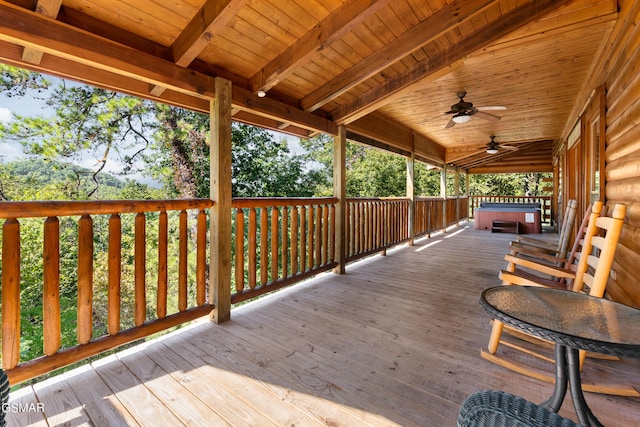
x: 486, y: 116
x: 509, y: 147
x: 450, y: 124
x: 492, y: 108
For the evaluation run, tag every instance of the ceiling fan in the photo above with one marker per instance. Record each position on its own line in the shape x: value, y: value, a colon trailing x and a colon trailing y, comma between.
x: 463, y: 110
x: 493, y: 147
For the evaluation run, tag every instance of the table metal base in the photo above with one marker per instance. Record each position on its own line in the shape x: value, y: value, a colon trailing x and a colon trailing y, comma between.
x: 568, y: 372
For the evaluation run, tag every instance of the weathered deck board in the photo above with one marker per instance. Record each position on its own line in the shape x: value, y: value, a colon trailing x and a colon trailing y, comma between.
x: 395, y: 341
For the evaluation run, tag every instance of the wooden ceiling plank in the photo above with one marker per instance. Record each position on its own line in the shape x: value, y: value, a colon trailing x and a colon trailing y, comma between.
x: 396, y: 87
x: 50, y: 9
x: 432, y: 27
x: 335, y: 26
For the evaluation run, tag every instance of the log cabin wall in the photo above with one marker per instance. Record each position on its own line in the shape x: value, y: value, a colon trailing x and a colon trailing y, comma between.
x: 621, y: 77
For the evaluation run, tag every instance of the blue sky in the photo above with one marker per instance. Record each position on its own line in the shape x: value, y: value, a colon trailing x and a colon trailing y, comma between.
x: 7, y: 107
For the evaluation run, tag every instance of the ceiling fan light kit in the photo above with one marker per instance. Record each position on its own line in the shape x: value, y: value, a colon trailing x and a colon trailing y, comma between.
x: 492, y: 146
x: 463, y: 110
x: 461, y: 118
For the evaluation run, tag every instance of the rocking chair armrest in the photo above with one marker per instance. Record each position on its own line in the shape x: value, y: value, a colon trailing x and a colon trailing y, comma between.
x: 539, y: 255
x: 523, y: 278
x: 539, y: 267
x: 535, y: 243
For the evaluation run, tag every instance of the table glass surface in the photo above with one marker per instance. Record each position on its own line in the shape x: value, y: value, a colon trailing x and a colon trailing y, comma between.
x: 568, y: 313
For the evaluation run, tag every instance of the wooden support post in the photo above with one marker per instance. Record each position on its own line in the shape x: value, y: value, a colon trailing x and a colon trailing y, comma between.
x: 411, y: 160
x: 340, y: 191
x: 467, y: 192
x: 443, y: 194
x: 456, y: 189
x: 220, y: 269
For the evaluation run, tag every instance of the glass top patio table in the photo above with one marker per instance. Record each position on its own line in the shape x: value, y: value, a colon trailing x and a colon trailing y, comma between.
x: 574, y: 321
x: 570, y: 318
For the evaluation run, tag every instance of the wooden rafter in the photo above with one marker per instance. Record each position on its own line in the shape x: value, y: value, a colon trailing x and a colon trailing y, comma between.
x: 50, y: 9
x: 397, y: 86
x: 439, y: 23
x: 97, y: 60
x: 331, y: 29
x: 212, y: 17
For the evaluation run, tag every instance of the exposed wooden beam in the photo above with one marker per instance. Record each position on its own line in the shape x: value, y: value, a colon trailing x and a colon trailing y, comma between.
x: 457, y: 154
x: 246, y: 100
x: 85, y: 57
x: 429, y: 29
x: 397, y: 86
x: 511, y: 169
x: 380, y: 132
x: 332, y: 28
x: 212, y: 17
x: 50, y: 9
x: 64, y: 68
x: 29, y: 29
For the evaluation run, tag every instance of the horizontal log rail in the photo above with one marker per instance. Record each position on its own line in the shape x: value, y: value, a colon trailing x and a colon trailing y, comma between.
x: 172, y: 288
x: 545, y: 203
x: 280, y: 241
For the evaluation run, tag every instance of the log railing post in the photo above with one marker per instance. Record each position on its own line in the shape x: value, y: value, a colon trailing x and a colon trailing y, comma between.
x: 239, y: 255
x: 253, y: 231
x: 163, y: 238
x: 182, y: 262
x: 85, y: 279
x: 51, y: 286
x: 10, y: 294
x: 114, y: 266
x: 201, y: 258
x: 140, y: 260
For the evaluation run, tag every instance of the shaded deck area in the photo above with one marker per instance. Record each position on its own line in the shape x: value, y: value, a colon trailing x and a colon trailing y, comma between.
x: 395, y: 341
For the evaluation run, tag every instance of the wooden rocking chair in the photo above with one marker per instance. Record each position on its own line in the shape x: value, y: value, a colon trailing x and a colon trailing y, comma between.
x: 559, y: 258
x: 558, y: 248
x: 592, y: 271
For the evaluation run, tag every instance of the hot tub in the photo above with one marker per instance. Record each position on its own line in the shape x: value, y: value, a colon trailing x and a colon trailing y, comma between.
x: 525, y: 215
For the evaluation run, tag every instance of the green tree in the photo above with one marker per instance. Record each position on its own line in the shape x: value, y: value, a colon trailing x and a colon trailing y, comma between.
x: 370, y: 172
x: 167, y: 143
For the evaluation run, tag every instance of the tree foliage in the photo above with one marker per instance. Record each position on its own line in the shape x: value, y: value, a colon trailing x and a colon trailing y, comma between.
x: 370, y: 172
x: 166, y: 143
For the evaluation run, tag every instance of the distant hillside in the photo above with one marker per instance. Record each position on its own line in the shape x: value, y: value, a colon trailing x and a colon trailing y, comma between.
x: 31, y: 179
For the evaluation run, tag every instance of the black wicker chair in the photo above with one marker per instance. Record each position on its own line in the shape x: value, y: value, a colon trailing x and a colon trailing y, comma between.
x: 491, y: 408
x: 4, y: 395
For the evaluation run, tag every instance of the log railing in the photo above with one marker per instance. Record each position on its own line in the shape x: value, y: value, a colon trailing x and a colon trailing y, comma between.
x: 280, y: 241
x: 276, y: 242
x: 183, y: 290
x: 545, y: 203
x: 373, y: 225
x: 428, y: 215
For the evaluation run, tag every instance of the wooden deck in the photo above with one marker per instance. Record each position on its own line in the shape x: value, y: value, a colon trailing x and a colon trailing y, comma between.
x: 395, y: 341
